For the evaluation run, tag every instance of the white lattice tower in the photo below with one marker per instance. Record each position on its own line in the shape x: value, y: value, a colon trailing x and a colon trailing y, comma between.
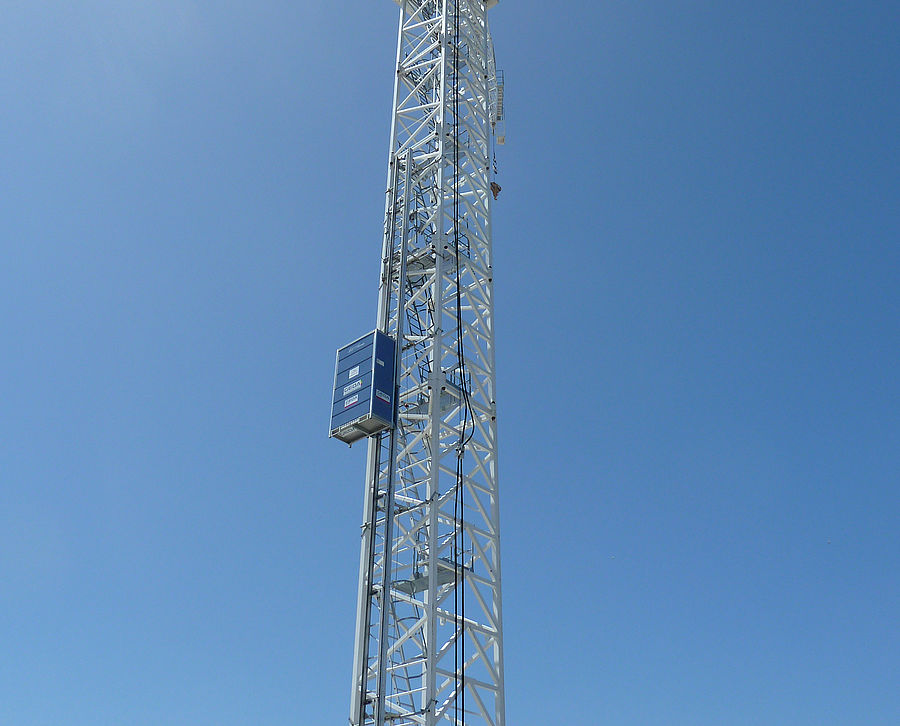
x: 429, y: 645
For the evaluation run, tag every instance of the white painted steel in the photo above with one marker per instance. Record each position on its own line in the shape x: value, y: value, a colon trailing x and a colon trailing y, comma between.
x: 429, y: 636
x: 488, y: 3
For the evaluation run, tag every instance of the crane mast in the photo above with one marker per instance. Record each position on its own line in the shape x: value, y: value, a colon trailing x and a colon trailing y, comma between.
x: 429, y: 636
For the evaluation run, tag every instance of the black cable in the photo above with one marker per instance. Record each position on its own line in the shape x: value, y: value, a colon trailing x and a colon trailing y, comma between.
x: 464, y: 436
x: 456, y: 518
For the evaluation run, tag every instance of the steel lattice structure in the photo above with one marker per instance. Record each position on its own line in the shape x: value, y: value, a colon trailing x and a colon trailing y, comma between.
x: 429, y: 645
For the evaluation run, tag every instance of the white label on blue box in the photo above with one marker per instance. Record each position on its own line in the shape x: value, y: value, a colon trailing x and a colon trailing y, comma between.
x: 382, y: 395
x: 353, y: 372
x: 350, y: 401
x: 379, y: 361
x: 355, y: 386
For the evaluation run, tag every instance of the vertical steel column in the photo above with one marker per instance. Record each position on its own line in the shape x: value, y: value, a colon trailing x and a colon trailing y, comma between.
x: 429, y: 605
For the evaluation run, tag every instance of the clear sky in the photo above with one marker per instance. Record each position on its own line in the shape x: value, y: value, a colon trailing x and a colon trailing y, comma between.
x: 698, y: 332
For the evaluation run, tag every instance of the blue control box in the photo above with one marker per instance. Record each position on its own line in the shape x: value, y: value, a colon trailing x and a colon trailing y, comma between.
x: 363, y: 403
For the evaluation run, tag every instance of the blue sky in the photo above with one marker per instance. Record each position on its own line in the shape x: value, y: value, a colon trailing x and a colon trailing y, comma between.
x: 697, y: 272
